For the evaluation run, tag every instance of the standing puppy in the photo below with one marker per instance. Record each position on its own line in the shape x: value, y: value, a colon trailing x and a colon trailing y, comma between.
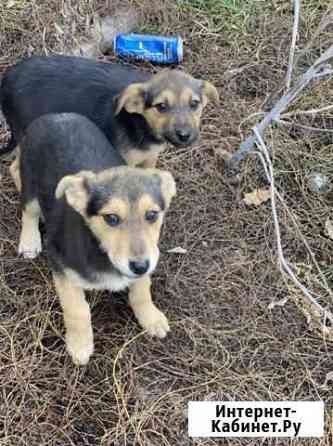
x: 102, y: 221
x: 137, y: 112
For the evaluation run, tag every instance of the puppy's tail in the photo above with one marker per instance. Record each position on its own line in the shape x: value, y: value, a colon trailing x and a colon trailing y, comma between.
x: 11, y: 144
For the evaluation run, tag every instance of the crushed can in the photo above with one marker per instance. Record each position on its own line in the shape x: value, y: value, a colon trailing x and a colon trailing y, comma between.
x: 157, y: 49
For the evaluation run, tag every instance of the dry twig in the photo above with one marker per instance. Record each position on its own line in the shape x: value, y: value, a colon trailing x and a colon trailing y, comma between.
x: 293, y: 43
x: 312, y: 111
x: 283, y: 264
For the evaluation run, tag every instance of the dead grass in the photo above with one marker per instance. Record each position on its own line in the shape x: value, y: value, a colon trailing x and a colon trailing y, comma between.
x: 225, y: 341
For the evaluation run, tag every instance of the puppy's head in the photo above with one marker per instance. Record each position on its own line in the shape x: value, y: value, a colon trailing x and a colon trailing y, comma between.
x: 124, y: 208
x: 171, y: 103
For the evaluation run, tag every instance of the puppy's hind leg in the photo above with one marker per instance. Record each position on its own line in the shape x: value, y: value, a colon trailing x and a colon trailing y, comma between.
x: 30, y: 240
x: 14, y: 170
x: 77, y: 317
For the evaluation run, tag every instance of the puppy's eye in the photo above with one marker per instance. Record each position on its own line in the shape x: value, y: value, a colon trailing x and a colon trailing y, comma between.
x: 112, y: 219
x: 194, y: 104
x: 151, y: 216
x: 162, y: 107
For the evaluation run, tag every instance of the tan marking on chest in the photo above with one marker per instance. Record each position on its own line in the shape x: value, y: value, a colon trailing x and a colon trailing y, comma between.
x: 135, y: 157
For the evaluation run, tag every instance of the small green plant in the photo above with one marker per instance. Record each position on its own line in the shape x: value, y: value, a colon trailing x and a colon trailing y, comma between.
x: 224, y: 14
x: 149, y: 28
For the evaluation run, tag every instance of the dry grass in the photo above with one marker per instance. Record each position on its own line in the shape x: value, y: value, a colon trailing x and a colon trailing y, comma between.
x: 225, y: 341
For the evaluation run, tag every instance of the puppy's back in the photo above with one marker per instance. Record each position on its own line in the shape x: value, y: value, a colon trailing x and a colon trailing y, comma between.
x: 58, y: 84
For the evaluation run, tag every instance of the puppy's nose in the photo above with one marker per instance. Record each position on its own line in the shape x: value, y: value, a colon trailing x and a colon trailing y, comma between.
x: 139, y: 267
x: 183, y: 135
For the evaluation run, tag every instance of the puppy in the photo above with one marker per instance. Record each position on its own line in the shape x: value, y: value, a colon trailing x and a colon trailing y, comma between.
x: 138, y: 113
x: 102, y: 221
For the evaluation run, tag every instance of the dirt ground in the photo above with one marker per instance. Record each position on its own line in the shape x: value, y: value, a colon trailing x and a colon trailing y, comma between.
x: 227, y: 342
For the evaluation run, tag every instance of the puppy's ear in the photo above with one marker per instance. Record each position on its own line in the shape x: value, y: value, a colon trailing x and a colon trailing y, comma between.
x: 132, y: 99
x: 76, y: 190
x: 209, y: 93
x: 168, y: 186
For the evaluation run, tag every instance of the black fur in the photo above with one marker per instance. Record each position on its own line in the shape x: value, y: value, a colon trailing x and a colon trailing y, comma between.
x: 100, y: 194
x: 58, y: 84
x: 54, y: 146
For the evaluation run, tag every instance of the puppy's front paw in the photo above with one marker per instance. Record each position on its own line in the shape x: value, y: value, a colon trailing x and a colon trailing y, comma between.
x: 80, y: 349
x: 154, y: 321
x: 30, y: 249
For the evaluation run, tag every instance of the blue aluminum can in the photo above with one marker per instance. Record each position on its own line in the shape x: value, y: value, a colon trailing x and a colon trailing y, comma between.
x: 156, y: 49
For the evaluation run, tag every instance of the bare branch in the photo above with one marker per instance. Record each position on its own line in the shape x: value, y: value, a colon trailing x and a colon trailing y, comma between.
x: 304, y: 127
x: 324, y: 23
x: 283, y: 264
x: 316, y: 71
x: 312, y: 111
x: 323, y: 73
x: 293, y: 43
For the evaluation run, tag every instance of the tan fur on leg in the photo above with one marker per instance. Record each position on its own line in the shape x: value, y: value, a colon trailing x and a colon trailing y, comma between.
x: 77, y: 318
x: 14, y: 170
x: 150, y: 163
x: 143, y: 158
x: 147, y: 314
x: 30, y: 240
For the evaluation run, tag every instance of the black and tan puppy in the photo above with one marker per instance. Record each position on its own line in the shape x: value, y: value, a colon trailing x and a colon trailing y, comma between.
x: 139, y: 113
x: 102, y: 221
